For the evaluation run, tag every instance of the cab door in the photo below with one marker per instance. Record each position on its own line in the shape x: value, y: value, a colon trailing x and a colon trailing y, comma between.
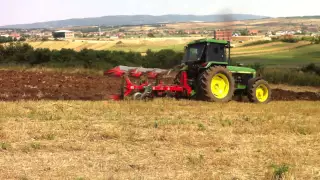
x: 216, y: 52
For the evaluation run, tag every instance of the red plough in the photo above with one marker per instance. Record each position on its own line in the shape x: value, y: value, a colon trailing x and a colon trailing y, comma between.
x: 145, y: 89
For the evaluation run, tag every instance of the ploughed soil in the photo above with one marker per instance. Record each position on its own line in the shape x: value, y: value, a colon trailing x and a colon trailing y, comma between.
x: 27, y: 85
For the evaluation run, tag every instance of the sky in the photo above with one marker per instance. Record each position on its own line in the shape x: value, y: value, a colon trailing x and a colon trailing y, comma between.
x: 30, y: 11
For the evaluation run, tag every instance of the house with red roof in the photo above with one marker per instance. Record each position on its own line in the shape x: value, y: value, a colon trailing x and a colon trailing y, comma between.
x: 15, y: 35
x: 253, y: 32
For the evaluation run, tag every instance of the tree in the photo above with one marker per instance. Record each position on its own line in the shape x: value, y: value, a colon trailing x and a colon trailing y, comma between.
x: 5, y: 39
x: 244, y: 32
x: 22, y: 39
x: 150, y: 35
x: 45, y: 39
x: 181, y: 32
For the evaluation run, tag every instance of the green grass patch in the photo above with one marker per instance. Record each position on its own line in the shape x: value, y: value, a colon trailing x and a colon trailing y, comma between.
x: 4, y: 146
x: 289, y: 58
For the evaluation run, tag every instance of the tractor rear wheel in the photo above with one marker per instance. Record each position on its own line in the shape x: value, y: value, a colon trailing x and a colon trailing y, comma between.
x: 259, y: 92
x: 217, y: 84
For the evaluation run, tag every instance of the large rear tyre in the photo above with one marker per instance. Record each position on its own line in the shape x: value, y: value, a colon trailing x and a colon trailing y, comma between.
x: 217, y: 84
x: 259, y: 92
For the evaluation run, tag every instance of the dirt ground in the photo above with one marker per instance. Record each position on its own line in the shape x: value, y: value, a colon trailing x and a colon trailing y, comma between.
x: 25, y: 85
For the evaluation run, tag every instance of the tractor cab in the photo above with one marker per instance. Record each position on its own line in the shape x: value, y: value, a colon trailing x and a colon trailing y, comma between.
x: 204, y: 50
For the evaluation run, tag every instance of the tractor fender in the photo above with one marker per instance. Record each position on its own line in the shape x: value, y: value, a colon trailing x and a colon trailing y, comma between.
x: 209, y: 64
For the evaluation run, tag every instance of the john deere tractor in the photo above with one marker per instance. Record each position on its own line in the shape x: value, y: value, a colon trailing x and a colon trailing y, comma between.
x: 211, y: 76
x: 205, y: 73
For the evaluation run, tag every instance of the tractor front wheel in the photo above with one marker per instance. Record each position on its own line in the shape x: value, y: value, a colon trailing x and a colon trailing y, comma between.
x: 217, y: 84
x: 259, y: 92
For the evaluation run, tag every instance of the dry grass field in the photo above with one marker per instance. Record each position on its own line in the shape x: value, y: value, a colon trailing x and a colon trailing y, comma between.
x: 175, y: 43
x: 162, y: 139
x: 155, y: 44
x: 137, y: 45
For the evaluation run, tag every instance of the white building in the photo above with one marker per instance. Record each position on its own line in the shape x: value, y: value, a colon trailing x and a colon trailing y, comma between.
x: 5, y: 35
x: 65, y: 34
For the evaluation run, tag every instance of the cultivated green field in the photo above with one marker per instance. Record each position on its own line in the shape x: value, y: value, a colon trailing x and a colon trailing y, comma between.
x: 162, y: 139
x: 290, y: 57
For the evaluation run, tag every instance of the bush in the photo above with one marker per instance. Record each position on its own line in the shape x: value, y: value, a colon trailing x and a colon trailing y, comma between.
x: 279, y: 171
x: 312, y: 39
x: 150, y: 35
x: 257, y: 43
x: 307, y: 38
x: 316, y: 40
x: 289, y: 39
x: 292, y: 77
x: 22, y: 39
x: 286, y: 38
x: 311, y: 68
x: 45, y: 39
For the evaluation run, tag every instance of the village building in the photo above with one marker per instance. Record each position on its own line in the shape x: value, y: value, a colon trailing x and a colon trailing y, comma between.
x: 64, y: 34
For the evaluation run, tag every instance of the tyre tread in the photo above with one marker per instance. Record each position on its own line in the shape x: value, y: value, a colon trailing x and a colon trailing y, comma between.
x: 205, y: 80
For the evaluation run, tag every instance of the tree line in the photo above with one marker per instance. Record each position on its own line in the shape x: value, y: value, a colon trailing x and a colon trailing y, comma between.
x: 24, y: 54
x: 4, y: 39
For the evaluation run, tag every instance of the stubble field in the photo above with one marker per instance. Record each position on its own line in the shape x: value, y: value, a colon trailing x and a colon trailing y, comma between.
x: 163, y: 139
x: 42, y: 137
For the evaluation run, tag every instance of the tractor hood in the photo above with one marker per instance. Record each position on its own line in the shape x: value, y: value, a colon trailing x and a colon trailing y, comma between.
x: 237, y: 69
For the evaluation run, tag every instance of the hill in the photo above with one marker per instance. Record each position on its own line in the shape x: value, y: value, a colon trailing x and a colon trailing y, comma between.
x: 134, y: 20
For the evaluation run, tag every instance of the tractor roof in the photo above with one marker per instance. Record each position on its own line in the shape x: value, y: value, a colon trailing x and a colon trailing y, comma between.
x: 208, y: 41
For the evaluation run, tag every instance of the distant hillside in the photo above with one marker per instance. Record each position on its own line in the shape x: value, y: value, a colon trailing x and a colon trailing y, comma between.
x: 134, y: 20
x: 304, y: 17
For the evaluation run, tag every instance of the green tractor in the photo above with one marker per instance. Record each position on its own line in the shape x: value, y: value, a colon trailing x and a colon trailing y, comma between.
x: 213, y: 78
x: 205, y: 73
